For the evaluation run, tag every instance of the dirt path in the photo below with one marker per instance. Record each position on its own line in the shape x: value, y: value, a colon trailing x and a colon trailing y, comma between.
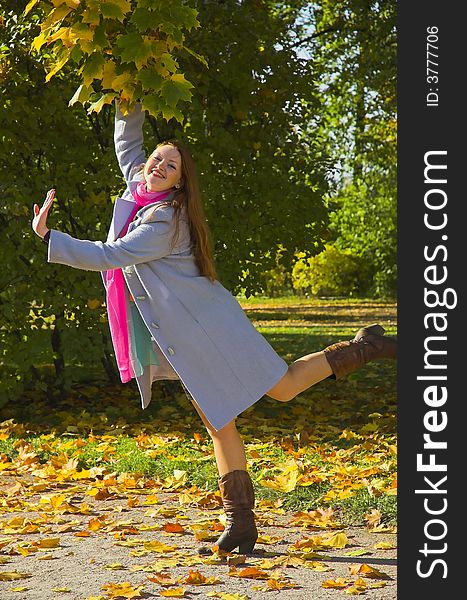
x: 118, y: 539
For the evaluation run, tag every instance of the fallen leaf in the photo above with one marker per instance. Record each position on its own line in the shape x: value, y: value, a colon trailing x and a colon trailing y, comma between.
x: 173, y: 528
x: 338, y: 583
x: 196, y: 578
x: 12, y: 575
x: 248, y: 572
x: 151, y: 499
x: 162, y: 578
x: 373, y: 518
x: 285, y: 482
x: 267, y: 539
x: 366, y: 571
x: 122, y: 590
x: 384, y: 546
x: 378, y: 584
x: 361, y: 552
x: 236, y: 560
x: 175, y: 592
x: 338, y: 540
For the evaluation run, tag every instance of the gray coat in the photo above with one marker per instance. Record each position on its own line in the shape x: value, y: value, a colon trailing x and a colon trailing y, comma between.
x: 200, y: 332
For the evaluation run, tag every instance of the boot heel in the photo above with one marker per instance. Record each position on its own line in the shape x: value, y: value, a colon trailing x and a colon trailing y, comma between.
x: 246, y: 547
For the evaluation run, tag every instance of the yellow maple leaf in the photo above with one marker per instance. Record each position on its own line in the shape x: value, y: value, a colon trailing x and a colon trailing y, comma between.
x: 162, y: 578
x: 338, y: 540
x: 48, y: 543
x: 366, y: 571
x: 96, y: 523
x: 197, y: 578
x: 177, y: 480
x: 122, y: 590
x: 55, y: 500
x: 174, y: 592
x: 12, y: 575
x: 236, y: 560
x: 384, y: 546
x: 151, y: 499
x: 338, y: 583
x: 156, y: 546
x: 286, y: 482
x: 316, y: 566
x: 248, y: 573
x: 268, y: 539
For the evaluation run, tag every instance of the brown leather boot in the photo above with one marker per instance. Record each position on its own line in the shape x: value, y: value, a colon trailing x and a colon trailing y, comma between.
x: 368, y: 344
x: 238, y: 498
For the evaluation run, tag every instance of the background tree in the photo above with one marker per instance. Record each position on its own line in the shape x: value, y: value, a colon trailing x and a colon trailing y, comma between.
x: 352, y: 44
x: 263, y: 180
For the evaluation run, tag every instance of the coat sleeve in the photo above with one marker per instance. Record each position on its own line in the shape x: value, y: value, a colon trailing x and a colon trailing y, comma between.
x: 146, y: 242
x: 128, y: 139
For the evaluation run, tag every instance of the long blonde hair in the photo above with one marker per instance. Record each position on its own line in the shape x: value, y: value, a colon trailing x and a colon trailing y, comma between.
x: 189, y: 196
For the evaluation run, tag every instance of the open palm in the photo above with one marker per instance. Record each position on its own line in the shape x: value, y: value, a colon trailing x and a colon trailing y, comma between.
x: 40, y: 214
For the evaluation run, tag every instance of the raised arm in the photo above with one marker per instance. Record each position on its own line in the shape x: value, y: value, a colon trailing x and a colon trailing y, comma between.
x: 148, y: 241
x: 128, y: 139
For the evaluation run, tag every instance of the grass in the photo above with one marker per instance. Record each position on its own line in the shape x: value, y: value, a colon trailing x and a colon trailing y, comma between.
x: 341, y: 434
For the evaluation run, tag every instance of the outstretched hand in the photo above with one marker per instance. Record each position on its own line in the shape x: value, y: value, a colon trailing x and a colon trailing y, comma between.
x: 40, y: 214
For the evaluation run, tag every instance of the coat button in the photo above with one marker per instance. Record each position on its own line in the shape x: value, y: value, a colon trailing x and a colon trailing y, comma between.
x: 155, y: 325
x: 140, y: 297
x: 170, y: 350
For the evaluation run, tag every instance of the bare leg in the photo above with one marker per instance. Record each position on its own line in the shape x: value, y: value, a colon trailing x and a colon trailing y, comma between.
x: 236, y: 488
x: 228, y: 445
x: 301, y: 374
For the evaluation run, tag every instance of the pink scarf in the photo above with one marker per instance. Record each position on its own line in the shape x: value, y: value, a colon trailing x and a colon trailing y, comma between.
x: 115, y: 287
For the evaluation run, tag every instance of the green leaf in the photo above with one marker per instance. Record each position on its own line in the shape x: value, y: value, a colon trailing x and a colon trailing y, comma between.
x: 150, y: 79
x: 104, y: 99
x: 133, y: 48
x: 145, y: 19
x: 122, y: 81
x: 169, y: 64
x: 115, y: 9
x: 176, y: 88
x: 181, y: 16
x: 82, y: 31
x: 93, y: 68
x: 152, y: 104
x: 76, y: 54
x: 100, y: 36
x: 197, y: 56
x: 91, y: 15
x: 81, y: 95
x: 171, y: 112
x: 156, y: 106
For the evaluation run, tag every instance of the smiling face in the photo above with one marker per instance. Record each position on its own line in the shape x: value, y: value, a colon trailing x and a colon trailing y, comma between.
x: 163, y: 169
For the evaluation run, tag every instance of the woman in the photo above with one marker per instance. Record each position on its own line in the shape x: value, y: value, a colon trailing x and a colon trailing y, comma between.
x: 170, y: 318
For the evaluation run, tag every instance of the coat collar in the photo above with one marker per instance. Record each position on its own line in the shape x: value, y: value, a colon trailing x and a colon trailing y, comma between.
x: 122, y: 210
